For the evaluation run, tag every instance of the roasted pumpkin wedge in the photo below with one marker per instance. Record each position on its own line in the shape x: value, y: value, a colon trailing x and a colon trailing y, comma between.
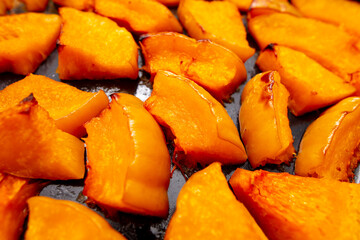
x: 205, y: 202
x: 201, y: 20
x: 31, y: 145
x: 128, y: 161
x: 68, y: 106
x: 203, y: 132
x: 139, y: 16
x: 330, y: 146
x: 14, y: 192
x: 329, y: 45
x: 262, y: 7
x: 26, y: 40
x: 310, y: 85
x: 94, y: 47
x: 264, y: 123
x: 6, y: 5
x: 242, y: 5
x: 213, y: 67
x: 62, y: 219
x: 85, y: 5
x: 298, y: 208
x: 35, y: 5
x: 340, y: 12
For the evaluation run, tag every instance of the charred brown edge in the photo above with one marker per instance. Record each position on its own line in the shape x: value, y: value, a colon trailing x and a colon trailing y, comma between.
x: 270, y: 47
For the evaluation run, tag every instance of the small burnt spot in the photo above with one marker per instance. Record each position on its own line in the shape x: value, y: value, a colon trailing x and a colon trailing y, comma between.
x: 27, y: 103
x: 268, y: 78
x: 314, y: 93
x: 271, y: 47
x: 29, y: 98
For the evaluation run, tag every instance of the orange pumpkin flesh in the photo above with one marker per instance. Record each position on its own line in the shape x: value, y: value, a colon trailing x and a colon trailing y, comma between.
x: 340, y: 12
x: 310, y: 85
x: 262, y: 7
x: 242, y: 5
x: 33, y: 147
x: 63, y: 219
x: 128, y: 161
x: 35, y: 5
x: 26, y: 40
x: 68, y: 106
x: 203, y: 130
x: 201, y: 20
x: 169, y: 3
x: 298, y: 208
x: 85, y: 5
x: 139, y: 16
x: 337, y: 53
x: 330, y: 144
x: 207, y: 209
x: 211, y: 66
x: 94, y: 47
x: 264, y: 124
x: 14, y: 192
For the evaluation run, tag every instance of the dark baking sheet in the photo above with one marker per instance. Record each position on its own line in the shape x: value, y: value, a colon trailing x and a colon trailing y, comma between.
x: 142, y: 227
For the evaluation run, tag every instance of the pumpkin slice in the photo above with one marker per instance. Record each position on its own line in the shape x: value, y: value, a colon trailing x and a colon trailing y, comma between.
x: 94, y: 47
x: 330, y: 146
x: 203, y: 130
x: 311, y: 86
x: 205, y: 202
x: 211, y: 66
x: 26, y: 40
x: 14, y: 192
x: 298, y: 208
x: 139, y: 16
x: 128, y: 161
x: 264, y: 123
x: 85, y: 5
x: 262, y: 7
x: 329, y: 45
x: 201, y: 20
x: 68, y: 106
x: 35, y: 5
x: 31, y: 145
x: 63, y: 219
x: 340, y: 12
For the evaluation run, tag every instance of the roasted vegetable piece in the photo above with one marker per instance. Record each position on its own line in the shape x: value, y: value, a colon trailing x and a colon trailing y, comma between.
x: 201, y: 20
x: 344, y: 13
x: 169, y: 3
x: 85, y: 5
x: 298, y: 208
x: 94, y: 47
x: 68, y: 106
x: 205, y: 202
x: 14, y: 192
x: 242, y: 5
x: 5, y: 5
x: 32, y: 146
x: 211, y: 66
x: 264, y: 123
x: 35, y: 5
x: 62, y: 219
x: 139, y: 16
x: 330, y: 146
x: 329, y: 45
x: 262, y: 7
x: 128, y: 161
x: 26, y: 40
x: 201, y: 127
x: 310, y: 85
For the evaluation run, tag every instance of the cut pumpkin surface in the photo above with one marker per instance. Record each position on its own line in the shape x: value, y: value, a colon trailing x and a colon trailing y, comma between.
x: 264, y: 122
x: 68, y: 106
x: 35, y: 5
x: 201, y: 20
x: 337, y: 53
x: 14, y: 192
x: 330, y: 145
x: 26, y: 40
x: 139, y: 16
x: 62, y: 219
x: 262, y: 7
x: 242, y: 5
x: 298, y: 208
x: 202, y: 129
x: 310, y: 85
x: 210, y: 65
x: 31, y: 145
x: 128, y: 160
x: 94, y: 47
x: 344, y: 13
x: 85, y: 5
x: 207, y: 209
